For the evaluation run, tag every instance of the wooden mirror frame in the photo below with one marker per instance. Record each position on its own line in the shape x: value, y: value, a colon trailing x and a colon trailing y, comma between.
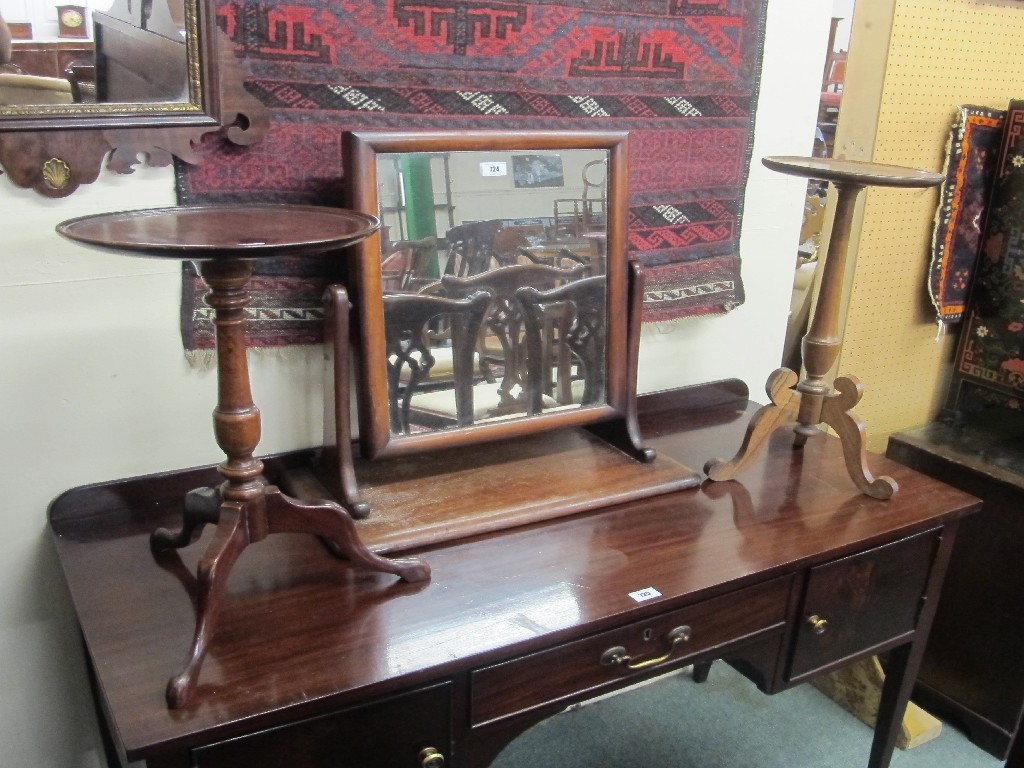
x: 362, y: 150
x: 56, y: 148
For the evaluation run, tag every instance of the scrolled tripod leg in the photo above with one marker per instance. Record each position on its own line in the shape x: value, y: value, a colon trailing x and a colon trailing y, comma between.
x: 202, y: 507
x: 334, y: 525
x: 211, y: 578
x: 836, y: 412
x: 785, y: 402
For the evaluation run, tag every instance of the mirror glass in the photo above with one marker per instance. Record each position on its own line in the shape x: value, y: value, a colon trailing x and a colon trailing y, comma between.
x: 493, y: 274
x: 485, y: 301
x: 112, y: 57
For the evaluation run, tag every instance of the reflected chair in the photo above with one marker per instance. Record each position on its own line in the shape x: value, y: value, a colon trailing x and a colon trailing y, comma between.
x: 17, y: 89
x: 410, y: 351
x: 501, y: 335
x: 82, y: 76
x: 560, y: 257
x: 471, y: 248
x: 409, y: 265
x: 565, y: 328
x: 574, y: 217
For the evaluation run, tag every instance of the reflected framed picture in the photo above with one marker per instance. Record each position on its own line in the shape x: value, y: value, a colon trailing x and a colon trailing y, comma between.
x: 536, y: 171
x: 71, y: 21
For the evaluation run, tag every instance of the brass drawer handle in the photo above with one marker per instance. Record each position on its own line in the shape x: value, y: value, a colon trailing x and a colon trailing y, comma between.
x: 617, y: 656
x: 817, y: 624
x: 431, y: 758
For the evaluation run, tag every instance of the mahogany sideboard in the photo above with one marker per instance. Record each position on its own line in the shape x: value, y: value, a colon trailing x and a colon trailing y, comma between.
x: 973, y: 668
x: 786, y: 573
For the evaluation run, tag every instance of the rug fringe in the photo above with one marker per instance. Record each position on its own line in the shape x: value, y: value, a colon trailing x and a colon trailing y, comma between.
x: 206, y: 359
x: 201, y: 359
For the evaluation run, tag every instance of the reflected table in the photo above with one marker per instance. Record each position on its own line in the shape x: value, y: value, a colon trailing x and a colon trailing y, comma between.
x: 813, y: 401
x: 224, y: 242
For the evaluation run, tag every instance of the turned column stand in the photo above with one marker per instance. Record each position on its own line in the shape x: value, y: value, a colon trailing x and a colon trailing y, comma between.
x: 813, y: 401
x: 224, y: 241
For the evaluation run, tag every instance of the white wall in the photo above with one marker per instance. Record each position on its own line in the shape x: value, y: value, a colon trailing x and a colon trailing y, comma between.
x: 93, y: 384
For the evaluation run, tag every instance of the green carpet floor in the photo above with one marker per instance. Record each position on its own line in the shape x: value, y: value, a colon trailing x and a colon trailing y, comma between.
x: 723, y: 723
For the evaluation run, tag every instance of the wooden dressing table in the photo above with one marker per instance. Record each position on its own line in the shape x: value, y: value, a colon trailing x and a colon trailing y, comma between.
x: 787, y: 573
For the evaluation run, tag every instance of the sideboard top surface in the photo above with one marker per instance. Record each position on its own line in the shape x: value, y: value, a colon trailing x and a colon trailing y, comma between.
x: 991, y: 450
x: 299, y: 626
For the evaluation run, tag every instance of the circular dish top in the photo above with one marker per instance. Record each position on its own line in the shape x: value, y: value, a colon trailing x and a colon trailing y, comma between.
x: 221, y: 231
x: 853, y: 171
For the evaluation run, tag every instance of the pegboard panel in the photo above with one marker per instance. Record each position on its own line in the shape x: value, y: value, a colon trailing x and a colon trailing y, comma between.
x: 940, y: 54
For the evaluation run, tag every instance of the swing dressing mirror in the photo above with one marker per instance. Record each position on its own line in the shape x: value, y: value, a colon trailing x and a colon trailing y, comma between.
x: 492, y: 303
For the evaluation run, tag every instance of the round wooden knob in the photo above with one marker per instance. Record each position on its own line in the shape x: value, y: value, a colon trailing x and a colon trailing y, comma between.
x: 817, y: 624
x: 431, y: 758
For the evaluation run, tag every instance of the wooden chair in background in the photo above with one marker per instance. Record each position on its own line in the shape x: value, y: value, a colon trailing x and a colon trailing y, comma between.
x: 501, y: 342
x: 565, y: 329
x: 471, y: 248
x: 409, y: 265
x: 574, y: 217
x: 410, y: 351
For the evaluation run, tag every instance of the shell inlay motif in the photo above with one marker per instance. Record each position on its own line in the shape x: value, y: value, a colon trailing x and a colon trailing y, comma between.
x: 56, y: 173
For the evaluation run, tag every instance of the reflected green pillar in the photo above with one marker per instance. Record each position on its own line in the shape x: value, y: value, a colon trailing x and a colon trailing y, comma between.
x: 418, y: 188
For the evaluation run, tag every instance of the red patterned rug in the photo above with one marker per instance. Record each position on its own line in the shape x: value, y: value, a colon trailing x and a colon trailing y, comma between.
x: 680, y: 75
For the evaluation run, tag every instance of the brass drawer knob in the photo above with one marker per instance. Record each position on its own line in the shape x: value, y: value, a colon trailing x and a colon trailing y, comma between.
x: 431, y: 758
x: 617, y: 655
x: 817, y: 624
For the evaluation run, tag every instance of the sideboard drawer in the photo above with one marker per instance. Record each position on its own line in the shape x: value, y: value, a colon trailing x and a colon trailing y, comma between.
x: 590, y: 666
x: 386, y: 734
x: 860, y: 602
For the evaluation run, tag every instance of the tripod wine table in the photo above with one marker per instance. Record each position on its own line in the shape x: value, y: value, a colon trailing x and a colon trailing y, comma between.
x: 813, y: 401
x: 224, y: 241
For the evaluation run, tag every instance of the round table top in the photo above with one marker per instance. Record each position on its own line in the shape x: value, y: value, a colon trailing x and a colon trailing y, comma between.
x: 853, y: 171
x: 206, y: 232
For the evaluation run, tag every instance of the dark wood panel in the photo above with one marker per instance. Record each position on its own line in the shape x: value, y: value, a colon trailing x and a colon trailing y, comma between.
x: 386, y: 734
x: 860, y: 602
x: 50, y: 59
x: 973, y: 667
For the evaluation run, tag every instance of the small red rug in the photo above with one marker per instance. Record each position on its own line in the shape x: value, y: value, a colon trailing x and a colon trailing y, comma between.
x: 680, y: 75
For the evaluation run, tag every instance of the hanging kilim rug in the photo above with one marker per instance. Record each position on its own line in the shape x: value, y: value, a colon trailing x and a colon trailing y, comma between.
x: 970, y: 169
x: 991, y: 353
x: 680, y: 75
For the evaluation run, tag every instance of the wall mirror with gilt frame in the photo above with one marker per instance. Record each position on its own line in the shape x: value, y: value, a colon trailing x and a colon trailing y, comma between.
x: 149, y: 78
x: 493, y: 303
